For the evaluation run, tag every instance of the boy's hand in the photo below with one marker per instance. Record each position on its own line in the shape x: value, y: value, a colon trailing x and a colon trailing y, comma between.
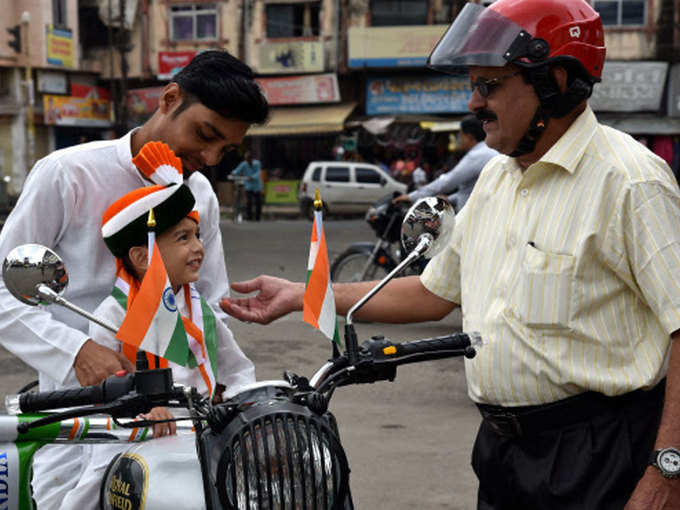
x: 161, y: 429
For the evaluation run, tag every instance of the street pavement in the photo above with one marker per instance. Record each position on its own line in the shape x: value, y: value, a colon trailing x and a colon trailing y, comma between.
x: 408, y: 442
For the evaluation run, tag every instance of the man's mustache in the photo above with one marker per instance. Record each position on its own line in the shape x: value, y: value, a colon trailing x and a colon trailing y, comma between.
x: 483, y: 115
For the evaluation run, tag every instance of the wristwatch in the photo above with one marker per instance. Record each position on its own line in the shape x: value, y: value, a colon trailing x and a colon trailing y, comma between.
x: 667, y: 461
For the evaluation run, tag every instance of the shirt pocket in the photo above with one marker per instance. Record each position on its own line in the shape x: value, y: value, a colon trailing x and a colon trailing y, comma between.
x: 545, y: 288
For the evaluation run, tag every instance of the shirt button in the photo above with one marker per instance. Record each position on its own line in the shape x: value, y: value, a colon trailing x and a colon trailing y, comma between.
x: 524, y: 192
x: 511, y: 241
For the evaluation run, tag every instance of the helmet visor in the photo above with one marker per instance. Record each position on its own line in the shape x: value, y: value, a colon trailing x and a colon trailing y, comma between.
x: 479, y: 36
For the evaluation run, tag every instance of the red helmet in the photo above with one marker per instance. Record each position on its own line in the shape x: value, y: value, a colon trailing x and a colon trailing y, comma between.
x: 528, y: 33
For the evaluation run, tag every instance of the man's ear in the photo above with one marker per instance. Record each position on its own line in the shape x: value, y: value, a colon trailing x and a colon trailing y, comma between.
x: 561, y: 76
x: 171, y: 98
x: 138, y: 257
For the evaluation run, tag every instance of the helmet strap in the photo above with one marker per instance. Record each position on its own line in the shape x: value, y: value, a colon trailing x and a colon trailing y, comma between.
x: 554, y: 103
x: 536, y: 128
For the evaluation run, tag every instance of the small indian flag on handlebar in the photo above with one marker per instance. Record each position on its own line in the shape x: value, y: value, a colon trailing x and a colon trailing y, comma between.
x: 318, y: 301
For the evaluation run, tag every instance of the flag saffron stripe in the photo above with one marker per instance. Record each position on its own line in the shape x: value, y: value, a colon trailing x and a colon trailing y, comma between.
x: 136, y: 325
x: 317, y: 286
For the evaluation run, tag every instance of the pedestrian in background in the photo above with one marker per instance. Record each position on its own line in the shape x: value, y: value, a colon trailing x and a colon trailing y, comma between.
x: 250, y: 168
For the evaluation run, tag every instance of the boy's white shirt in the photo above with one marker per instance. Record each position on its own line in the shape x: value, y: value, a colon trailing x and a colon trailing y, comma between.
x: 234, y: 370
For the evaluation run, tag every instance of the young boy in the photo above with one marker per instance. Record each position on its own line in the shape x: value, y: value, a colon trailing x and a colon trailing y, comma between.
x: 222, y: 368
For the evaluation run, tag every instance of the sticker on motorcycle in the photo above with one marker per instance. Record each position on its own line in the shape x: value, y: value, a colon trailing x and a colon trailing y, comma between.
x: 126, y: 483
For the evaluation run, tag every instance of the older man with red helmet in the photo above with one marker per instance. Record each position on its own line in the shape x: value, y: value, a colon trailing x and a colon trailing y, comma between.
x: 566, y: 258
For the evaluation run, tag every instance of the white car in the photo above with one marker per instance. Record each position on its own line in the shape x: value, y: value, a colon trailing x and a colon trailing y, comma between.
x: 345, y: 186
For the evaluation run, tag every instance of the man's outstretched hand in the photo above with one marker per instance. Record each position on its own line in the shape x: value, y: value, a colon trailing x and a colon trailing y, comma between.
x: 275, y: 298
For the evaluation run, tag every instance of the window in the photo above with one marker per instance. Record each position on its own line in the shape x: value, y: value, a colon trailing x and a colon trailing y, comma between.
x: 292, y: 20
x: 337, y: 174
x: 398, y: 12
x: 367, y: 175
x: 193, y: 22
x: 622, y: 12
x: 317, y: 174
x: 59, y: 13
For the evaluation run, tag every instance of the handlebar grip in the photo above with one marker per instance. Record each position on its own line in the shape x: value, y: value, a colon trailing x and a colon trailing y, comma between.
x: 111, y: 388
x: 34, y: 402
x: 456, y: 341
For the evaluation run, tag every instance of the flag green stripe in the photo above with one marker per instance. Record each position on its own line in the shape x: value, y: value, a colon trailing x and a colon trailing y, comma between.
x: 178, y: 346
x: 210, y: 335
x: 120, y: 296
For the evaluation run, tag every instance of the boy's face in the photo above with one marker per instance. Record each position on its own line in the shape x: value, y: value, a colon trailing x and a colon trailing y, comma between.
x: 182, y: 252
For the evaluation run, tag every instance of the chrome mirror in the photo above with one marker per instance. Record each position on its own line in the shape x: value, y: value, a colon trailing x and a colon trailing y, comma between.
x: 30, y: 266
x: 428, y: 226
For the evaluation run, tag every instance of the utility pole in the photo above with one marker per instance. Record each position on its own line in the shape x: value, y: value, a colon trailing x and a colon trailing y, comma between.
x: 30, y: 98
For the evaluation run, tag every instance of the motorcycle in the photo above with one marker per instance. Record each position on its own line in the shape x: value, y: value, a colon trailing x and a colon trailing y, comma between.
x: 275, y: 445
x: 366, y: 260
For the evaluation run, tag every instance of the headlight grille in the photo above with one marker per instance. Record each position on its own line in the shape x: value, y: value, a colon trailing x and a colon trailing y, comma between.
x: 284, y: 461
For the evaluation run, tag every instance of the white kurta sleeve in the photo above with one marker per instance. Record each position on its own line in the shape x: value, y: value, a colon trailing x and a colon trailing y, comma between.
x: 40, y: 216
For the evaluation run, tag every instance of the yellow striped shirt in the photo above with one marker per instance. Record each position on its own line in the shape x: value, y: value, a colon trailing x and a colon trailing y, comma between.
x: 570, y: 270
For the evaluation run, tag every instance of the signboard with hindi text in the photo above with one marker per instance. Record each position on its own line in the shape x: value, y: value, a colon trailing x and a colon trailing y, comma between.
x: 59, y: 46
x: 281, y: 192
x: 630, y: 87
x: 318, y: 88
x: 417, y: 94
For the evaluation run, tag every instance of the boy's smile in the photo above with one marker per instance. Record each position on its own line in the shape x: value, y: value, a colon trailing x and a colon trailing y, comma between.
x: 182, y: 252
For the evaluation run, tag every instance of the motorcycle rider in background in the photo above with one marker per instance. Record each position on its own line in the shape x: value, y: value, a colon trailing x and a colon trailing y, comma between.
x: 565, y: 258
x: 204, y: 112
x: 457, y: 183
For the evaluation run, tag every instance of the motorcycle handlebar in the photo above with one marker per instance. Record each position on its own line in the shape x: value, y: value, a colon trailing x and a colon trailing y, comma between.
x: 434, y: 348
x: 111, y: 388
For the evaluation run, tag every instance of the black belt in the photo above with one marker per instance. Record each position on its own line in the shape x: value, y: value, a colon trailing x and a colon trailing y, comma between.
x: 529, y: 420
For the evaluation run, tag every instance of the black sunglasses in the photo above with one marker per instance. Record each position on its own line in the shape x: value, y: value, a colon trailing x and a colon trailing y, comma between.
x: 486, y: 87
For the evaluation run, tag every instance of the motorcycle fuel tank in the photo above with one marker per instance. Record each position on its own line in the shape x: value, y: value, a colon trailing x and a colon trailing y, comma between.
x: 159, y: 474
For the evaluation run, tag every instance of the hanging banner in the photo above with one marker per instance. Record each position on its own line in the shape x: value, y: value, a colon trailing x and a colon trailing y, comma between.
x: 76, y: 111
x: 392, y: 46
x: 290, y: 57
x: 417, y: 94
x: 320, y: 88
x: 172, y: 62
x: 142, y: 103
x: 59, y: 46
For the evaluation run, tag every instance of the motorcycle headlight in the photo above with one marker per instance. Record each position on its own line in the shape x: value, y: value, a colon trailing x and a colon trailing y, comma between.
x: 279, y: 455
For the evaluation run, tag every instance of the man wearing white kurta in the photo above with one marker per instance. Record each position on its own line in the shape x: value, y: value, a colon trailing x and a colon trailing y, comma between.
x: 61, y: 206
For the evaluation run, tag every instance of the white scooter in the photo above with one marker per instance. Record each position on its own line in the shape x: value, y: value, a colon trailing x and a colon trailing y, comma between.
x: 274, y: 446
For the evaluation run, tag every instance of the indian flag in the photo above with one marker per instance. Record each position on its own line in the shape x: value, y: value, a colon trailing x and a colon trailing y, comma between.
x: 318, y: 301
x: 152, y: 322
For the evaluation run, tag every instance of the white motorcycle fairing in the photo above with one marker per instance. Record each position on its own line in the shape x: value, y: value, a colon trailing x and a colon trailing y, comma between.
x: 154, y: 475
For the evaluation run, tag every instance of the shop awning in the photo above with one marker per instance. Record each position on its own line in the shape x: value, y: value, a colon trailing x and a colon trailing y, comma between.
x: 453, y: 125
x: 300, y: 120
x: 641, y: 123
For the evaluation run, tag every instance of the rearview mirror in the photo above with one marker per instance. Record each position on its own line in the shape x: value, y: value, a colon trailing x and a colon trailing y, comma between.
x: 27, y: 267
x: 431, y: 217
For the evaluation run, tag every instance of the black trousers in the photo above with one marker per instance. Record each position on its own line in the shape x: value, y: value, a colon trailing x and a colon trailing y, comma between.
x: 593, y: 464
x: 253, y: 201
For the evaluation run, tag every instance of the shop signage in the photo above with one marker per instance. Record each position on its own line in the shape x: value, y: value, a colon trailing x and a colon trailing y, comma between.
x: 59, y: 46
x: 290, y: 57
x: 281, y: 192
x: 142, y: 103
x: 171, y: 62
x: 417, y: 94
x: 674, y: 92
x: 52, y: 82
x: 392, y: 46
x: 319, y: 88
x: 76, y: 111
x: 630, y: 87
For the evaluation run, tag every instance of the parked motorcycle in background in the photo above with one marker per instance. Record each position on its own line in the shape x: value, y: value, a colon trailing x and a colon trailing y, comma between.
x: 365, y: 261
